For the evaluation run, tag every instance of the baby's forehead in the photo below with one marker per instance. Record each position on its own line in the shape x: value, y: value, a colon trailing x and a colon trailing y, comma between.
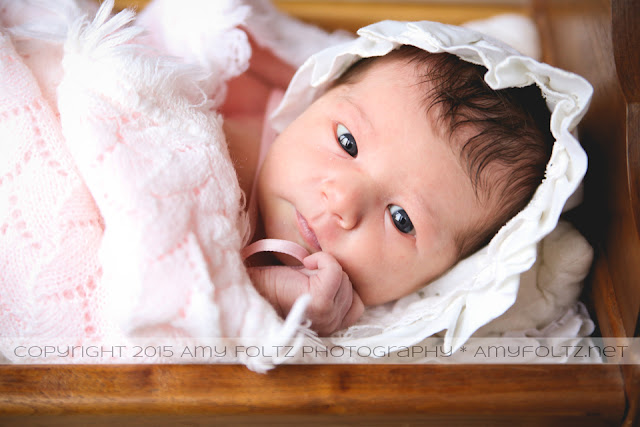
x: 414, y: 70
x: 363, y: 81
x: 370, y: 75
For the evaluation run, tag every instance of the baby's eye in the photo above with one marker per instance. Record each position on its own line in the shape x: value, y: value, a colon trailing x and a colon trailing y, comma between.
x: 401, y: 220
x: 346, y: 140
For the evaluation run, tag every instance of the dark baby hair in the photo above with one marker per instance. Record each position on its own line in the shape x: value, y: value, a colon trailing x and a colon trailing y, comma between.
x: 506, y: 131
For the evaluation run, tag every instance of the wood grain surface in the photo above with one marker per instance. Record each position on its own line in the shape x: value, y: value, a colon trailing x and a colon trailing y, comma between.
x: 351, y: 15
x: 417, y: 392
x: 598, y: 39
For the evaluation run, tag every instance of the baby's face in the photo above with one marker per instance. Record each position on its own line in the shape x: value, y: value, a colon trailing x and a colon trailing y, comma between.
x: 363, y: 175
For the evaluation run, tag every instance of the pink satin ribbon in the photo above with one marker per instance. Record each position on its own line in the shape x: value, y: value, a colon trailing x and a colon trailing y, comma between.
x: 275, y: 245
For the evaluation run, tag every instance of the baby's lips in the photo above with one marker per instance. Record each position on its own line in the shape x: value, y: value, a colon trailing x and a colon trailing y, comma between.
x: 307, y: 233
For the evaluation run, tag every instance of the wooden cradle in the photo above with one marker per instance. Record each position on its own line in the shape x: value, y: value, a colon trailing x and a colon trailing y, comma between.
x: 591, y: 37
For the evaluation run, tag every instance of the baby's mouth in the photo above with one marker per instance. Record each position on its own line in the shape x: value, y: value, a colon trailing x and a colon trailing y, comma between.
x: 307, y: 233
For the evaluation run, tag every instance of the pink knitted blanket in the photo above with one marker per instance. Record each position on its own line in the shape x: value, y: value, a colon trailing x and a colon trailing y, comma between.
x: 120, y: 211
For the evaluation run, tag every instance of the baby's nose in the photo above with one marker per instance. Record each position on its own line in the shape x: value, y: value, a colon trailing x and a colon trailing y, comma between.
x: 345, y: 199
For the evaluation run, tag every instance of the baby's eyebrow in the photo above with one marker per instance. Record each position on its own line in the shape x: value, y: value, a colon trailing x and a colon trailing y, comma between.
x: 358, y: 108
x: 426, y: 210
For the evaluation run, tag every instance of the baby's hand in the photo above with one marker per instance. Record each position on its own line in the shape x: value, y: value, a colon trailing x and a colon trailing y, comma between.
x: 334, y: 303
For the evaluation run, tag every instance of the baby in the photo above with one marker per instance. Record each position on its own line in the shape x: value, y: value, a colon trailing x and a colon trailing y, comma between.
x: 406, y: 165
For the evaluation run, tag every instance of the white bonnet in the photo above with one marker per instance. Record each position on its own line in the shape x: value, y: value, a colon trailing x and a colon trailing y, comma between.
x: 484, y: 285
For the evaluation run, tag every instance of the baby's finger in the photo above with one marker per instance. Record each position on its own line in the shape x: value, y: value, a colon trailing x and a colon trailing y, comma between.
x: 320, y: 261
x: 343, y: 296
x: 354, y: 313
x: 326, y: 275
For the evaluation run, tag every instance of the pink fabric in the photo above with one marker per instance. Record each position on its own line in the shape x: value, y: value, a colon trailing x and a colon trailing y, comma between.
x: 50, y: 226
x: 266, y: 139
x: 268, y: 245
x: 120, y: 210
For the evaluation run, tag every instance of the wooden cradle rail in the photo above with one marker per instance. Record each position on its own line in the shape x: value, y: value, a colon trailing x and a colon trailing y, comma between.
x: 592, y: 37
